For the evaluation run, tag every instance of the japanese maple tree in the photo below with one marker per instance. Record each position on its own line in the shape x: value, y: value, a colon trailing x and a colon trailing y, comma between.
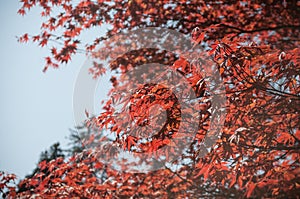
x: 255, y: 48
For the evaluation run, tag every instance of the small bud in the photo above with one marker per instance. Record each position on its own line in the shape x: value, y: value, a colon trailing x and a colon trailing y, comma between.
x: 284, y: 3
x: 282, y: 56
x: 252, y: 44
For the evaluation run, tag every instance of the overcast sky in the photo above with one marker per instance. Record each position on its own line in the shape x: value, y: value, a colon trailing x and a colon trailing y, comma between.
x: 36, y: 107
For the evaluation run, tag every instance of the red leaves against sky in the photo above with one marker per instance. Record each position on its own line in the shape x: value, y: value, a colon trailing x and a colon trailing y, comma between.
x: 256, y: 48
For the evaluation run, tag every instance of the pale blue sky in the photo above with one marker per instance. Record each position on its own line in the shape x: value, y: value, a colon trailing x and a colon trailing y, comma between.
x: 36, y: 108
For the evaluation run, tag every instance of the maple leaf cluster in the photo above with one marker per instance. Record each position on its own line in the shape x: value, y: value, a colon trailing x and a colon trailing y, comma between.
x: 255, y: 48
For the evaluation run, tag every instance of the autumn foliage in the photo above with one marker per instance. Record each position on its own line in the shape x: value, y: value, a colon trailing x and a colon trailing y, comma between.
x: 255, y: 47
